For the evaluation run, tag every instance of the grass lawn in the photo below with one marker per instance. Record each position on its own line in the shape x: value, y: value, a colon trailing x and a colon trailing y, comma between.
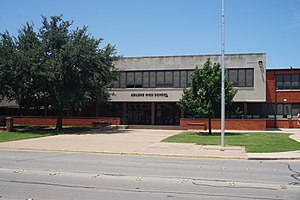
x: 28, y: 132
x: 261, y: 142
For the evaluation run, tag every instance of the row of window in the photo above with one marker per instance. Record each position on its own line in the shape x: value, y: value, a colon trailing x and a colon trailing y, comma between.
x: 287, y: 81
x: 241, y: 77
x: 155, y: 79
x: 177, y: 78
x: 270, y: 109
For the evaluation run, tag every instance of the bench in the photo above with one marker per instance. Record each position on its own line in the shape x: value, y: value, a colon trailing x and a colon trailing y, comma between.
x: 101, y: 124
x: 197, y: 126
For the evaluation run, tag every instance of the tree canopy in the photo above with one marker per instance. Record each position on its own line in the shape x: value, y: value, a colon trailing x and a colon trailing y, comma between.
x: 55, y: 65
x: 204, y: 96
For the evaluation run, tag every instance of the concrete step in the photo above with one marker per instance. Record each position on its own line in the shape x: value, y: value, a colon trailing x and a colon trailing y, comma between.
x: 163, y: 127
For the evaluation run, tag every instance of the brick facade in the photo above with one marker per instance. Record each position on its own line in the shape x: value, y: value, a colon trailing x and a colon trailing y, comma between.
x: 67, y: 121
x: 230, y: 124
x: 291, y: 96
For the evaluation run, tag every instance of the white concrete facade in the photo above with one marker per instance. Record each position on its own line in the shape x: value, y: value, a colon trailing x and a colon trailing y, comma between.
x: 255, y: 61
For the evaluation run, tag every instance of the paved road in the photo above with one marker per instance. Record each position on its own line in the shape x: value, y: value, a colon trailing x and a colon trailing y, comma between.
x: 53, y: 175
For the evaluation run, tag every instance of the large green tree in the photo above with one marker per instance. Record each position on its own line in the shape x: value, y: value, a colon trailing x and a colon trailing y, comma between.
x: 55, y: 66
x: 204, y: 96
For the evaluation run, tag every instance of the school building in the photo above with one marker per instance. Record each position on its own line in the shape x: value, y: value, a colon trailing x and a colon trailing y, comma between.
x: 148, y: 89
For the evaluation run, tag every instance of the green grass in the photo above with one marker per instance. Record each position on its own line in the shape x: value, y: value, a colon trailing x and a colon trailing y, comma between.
x: 260, y: 142
x: 28, y: 132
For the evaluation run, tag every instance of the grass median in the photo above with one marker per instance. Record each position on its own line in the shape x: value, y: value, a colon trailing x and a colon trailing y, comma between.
x: 29, y: 132
x: 254, y: 142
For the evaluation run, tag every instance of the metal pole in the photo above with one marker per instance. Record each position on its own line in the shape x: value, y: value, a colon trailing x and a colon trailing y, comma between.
x: 223, y: 81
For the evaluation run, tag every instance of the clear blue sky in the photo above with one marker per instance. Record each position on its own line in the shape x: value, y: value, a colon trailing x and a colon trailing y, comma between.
x: 175, y: 27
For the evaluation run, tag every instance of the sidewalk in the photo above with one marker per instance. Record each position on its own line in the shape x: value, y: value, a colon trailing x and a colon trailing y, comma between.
x: 141, y: 142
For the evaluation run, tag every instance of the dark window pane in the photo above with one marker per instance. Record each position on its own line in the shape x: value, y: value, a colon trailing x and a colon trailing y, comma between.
x: 189, y: 81
x: 241, y: 78
x: 152, y: 79
x: 160, y: 78
x: 138, y: 78
x: 279, y: 82
x: 279, y: 109
x: 249, y: 78
x: 183, y: 79
x: 176, y: 83
x: 123, y: 80
x: 287, y: 109
x: 117, y: 82
x: 168, y: 77
x: 130, y: 78
x: 232, y: 74
x: 271, y: 109
x: 145, y: 79
x: 295, y: 81
x: 295, y: 109
x: 287, y: 81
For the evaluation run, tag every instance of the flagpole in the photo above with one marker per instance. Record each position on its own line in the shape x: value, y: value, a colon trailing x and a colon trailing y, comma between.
x: 223, y: 81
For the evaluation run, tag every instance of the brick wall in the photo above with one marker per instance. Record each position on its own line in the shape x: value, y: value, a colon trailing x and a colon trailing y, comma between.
x: 243, y: 124
x: 282, y: 123
x: 67, y: 121
x: 230, y: 124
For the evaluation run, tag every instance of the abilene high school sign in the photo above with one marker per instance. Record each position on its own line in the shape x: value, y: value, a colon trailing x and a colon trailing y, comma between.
x: 149, y: 95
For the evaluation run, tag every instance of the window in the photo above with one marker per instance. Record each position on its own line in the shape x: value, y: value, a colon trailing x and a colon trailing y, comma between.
x: 164, y: 79
x: 183, y: 79
x: 123, y: 80
x: 232, y: 75
x: 249, y: 77
x: 287, y: 81
x: 295, y: 81
x: 153, y: 79
x: 130, y: 79
x: 295, y: 109
x: 138, y: 79
x: 189, y: 78
x: 241, y: 77
x: 176, y: 83
x: 146, y: 79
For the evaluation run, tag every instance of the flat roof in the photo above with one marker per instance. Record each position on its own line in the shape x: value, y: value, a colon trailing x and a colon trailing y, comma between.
x: 195, y: 55
x: 284, y: 69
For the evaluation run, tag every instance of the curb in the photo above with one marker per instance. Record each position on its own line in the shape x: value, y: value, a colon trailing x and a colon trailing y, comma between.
x: 155, y: 154
x: 264, y: 158
x: 129, y: 153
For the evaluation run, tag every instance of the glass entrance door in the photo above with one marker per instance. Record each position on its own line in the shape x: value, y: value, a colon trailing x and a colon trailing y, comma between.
x: 138, y: 113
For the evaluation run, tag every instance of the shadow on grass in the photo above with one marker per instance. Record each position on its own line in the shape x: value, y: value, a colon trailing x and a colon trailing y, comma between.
x: 215, y: 134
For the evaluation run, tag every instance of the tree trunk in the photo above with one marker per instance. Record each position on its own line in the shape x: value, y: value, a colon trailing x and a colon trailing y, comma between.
x: 59, y: 119
x: 209, y: 125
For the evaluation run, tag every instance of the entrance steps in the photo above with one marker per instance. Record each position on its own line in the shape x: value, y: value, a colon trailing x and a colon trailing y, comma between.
x: 163, y: 127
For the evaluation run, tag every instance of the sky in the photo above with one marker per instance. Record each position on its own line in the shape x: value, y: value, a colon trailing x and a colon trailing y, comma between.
x: 174, y: 27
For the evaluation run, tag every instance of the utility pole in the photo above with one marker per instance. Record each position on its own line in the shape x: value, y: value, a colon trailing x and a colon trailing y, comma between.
x: 223, y: 81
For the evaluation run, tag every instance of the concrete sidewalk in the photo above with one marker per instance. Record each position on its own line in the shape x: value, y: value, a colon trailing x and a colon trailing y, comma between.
x: 140, y: 142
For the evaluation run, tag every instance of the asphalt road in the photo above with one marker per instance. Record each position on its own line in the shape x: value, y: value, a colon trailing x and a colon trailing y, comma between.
x: 55, y: 175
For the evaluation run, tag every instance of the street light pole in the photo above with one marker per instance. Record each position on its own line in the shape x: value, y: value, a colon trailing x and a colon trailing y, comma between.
x: 223, y: 81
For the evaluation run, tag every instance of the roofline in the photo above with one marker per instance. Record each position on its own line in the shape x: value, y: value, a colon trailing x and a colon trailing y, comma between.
x: 283, y: 69
x: 195, y: 55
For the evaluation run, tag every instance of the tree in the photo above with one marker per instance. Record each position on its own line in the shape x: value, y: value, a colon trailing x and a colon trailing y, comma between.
x: 55, y: 66
x: 204, y: 96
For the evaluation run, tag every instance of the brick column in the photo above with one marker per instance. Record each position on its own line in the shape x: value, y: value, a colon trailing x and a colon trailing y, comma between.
x: 152, y: 113
x: 124, y: 113
x: 245, y: 110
